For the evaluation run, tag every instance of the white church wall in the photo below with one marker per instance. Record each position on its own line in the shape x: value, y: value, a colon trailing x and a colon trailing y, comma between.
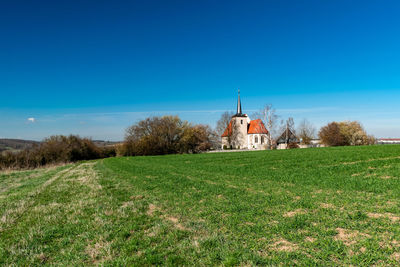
x: 257, y: 145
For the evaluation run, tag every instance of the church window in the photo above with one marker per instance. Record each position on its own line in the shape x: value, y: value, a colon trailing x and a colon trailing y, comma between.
x: 262, y: 139
x: 256, y: 139
x: 241, y: 121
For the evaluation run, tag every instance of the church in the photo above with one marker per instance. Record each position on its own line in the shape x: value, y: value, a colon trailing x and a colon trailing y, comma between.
x: 243, y: 133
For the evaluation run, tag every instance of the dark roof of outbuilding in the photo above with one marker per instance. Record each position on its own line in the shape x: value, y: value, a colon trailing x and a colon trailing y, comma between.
x: 289, y: 137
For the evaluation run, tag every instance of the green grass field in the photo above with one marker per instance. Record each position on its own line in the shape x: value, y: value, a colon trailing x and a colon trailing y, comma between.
x: 326, y: 206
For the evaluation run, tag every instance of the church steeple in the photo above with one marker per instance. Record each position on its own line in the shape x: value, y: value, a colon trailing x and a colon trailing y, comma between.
x: 239, y: 105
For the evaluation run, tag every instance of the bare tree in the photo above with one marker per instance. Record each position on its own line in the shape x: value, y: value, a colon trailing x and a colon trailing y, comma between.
x: 223, y: 122
x: 270, y: 119
x: 215, y: 139
x: 290, y: 124
x: 306, y: 132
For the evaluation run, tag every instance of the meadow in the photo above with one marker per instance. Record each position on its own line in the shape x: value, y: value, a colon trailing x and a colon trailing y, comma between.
x: 322, y: 206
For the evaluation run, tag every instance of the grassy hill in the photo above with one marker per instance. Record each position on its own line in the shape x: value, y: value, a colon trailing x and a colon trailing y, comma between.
x: 325, y: 206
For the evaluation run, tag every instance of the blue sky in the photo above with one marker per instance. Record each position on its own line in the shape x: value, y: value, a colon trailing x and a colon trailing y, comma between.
x: 95, y: 67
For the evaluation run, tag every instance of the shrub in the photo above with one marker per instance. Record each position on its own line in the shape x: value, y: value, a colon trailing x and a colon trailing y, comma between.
x: 331, y: 135
x: 292, y: 145
x: 347, y: 133
x: 165, y: 135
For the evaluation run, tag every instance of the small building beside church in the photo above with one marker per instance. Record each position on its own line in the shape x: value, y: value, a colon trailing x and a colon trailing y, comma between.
x: 287, y: 140
x: 244, y: 133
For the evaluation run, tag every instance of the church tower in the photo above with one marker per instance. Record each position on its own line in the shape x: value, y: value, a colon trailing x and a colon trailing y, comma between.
x: 239, y: 127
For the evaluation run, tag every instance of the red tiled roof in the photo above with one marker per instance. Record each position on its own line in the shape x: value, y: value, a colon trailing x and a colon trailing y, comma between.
x: 228, y: 130
x: 257, y: 127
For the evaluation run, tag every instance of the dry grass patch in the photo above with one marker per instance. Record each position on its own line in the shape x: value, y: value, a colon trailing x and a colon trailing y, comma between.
x: 327, y: 206
x: 127, y: 204
x: 85, y: 175
x: 395, y: 243
x: 396, y: 256
x: 388, y: 215
x: 136, y: 197
x: 151, y: 210
x: 153, y: 231
x: 284, y: 246
x: 47, y: 208
x: 375, y: 215
x: 350, y: 237
x: 309, y: 239
x: 42, y: 257
x: 175, y: 222
x: 108, y: 212
x: 368, y: 160
x: 316, y: 192
x: 99, y: 252
x: 294, y: 213
x: 45, y: 168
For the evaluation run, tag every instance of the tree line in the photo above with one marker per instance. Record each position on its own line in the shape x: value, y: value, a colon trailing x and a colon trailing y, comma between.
x: 345, y: 133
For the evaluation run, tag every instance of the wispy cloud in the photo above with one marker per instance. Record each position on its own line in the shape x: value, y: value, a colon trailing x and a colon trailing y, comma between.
x: 31, y: 120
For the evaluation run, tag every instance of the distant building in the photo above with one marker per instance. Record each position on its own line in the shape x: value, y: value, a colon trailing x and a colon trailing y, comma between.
x: 243, y: 133
x: 313, y: 143
x: 388, y: 141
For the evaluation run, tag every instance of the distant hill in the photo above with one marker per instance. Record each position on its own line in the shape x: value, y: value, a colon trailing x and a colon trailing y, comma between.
x: 105, y: 143
x: 16, y: 144
x: 19, y: 144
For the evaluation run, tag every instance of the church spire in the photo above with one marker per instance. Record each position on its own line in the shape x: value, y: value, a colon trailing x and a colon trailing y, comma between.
x: 239, y: 105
